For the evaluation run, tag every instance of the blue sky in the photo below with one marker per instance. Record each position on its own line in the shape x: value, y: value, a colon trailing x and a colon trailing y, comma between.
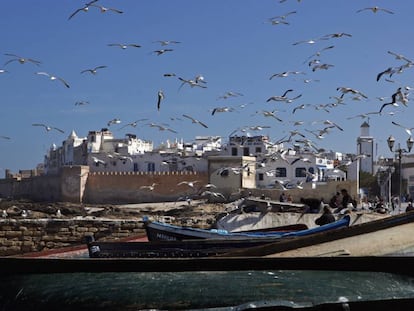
x: 230, y: 43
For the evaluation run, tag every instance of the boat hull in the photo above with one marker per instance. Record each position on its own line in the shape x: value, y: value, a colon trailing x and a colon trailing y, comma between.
x: 157, y: 231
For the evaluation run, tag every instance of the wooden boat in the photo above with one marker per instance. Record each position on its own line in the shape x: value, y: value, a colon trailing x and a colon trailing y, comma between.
x: 158, y: 231
x: 170, y: 249
x: 390, y: 236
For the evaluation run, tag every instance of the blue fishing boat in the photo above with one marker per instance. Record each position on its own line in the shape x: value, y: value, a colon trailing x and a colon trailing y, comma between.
x: 159, y: 231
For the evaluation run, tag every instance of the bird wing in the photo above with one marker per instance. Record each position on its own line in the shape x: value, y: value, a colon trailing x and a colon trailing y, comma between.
x: 57, y: 129
x: 39, y: 124
x: 42, y: 73
x: 63, y: 81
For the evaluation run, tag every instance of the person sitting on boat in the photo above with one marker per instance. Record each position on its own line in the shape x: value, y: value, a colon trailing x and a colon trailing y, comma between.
x: 410, y: 206
x: 326, y: 217
x: 282, y: 197
x: 335, y: 201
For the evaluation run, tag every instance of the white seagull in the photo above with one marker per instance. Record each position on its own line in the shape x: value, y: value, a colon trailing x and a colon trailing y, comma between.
x: 47, y: 127
x: 53, y: 77
x: 375, y: 9
x: 105, y: 9
x: 407, y: 129
x: 166, y: 42
x: 195, y: 120
x: 21, y: 60
x: 85, y: 8
x: 161, y: 128
x: 93, y: 70
x: 124, y: 46
x: 149, y: 187
x: 162, y: 51
x: 160, y: 97
x: 114, y: 121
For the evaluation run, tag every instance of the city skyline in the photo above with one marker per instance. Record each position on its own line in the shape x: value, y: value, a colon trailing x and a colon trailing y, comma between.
x: 233, y: 67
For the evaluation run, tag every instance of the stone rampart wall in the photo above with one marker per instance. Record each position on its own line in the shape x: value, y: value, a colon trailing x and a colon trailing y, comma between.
x: 126, y: 187
x: 74, y: 184
x: 33, y: 235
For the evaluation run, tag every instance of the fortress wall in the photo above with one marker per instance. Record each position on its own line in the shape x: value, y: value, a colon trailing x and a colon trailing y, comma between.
x: 18, y: 236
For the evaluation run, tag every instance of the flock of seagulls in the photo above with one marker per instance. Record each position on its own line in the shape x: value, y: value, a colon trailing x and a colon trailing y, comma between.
x: 314, y: 65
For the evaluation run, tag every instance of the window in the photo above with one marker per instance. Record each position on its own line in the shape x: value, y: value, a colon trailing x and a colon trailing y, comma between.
x: 258, y: 149
x: 300, y: 172
x: 261, y: 176
x: 135, y: 167
x: 246, y: 151
x: 281, y: 172
x: 151, y: 167
x: 234, y: 151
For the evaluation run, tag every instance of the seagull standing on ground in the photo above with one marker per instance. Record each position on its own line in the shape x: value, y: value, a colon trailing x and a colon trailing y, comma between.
x: 149, y: 188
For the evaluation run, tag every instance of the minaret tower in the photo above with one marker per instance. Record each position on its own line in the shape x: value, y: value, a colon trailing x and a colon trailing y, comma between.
x: 365, y: 145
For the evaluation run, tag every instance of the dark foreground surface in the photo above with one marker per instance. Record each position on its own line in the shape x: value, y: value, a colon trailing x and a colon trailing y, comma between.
x: 333, y: 283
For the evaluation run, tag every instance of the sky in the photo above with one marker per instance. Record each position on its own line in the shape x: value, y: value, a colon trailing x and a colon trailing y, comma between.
x: 232, y: 44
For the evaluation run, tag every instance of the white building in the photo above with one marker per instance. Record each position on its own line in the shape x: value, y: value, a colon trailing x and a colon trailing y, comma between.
x: 365, y: 145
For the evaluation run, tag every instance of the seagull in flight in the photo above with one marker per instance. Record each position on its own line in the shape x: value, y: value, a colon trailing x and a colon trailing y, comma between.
x: 285, y: 74
x: 134, y: 123
x: 21, y: 60
x: 221, y: 109
x: 310, y: 41
x: 345, y: 90
x: 53, y: 77
x: 394, y: 99
x: 105, y: 9
x: 407, y: 129
x: 5, y: 137
x: 94, y: 71
x: 85, y: 8
x: 283, y: 98
x: 400, y: 57
x: 160, y: 98
x: 193, y: 83
x: 375, y: 9
x: 124, y: 46
x: 230, y: 94
x: 195, y: 120
x: 162, y: 51
x: 114, y: 121
x: 81, y: 103
x: 161, y: 128
x: 47, y: 127
x: 167, y: 42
